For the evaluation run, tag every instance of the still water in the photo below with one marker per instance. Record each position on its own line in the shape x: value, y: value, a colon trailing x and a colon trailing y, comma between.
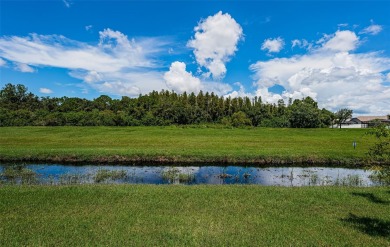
x: 274, y: 176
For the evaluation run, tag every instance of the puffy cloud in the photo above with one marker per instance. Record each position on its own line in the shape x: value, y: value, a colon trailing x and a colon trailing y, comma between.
x: 45, y: 90
x: 25, y: 68
x: 214, y: 43
x: 178, y: 79
x: 273, y: 45
x: 240, y: 93
x: 218, y: 88
x: 130, y: 83
x: 116, y: 59
x: 341, y: 41
x: 331, y: 74
x: 267, y: 96
x: 373, y: 29
x: 118, y: 87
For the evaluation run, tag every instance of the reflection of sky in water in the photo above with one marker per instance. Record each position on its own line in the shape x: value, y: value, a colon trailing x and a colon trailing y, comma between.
x: 277, y: 176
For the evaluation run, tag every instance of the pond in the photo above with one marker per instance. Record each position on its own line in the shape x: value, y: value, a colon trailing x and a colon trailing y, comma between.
x: 56, y: 174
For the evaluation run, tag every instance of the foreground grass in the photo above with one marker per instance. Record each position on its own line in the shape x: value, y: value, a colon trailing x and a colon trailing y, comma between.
x: 132, y: 215
x: 178, y: 144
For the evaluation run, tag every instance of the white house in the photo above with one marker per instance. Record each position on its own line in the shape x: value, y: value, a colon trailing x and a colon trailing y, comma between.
x: 364, y: 121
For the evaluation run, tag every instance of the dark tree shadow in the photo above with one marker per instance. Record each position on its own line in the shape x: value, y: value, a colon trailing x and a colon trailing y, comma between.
x: 371, y: 197
x: 371, y: 226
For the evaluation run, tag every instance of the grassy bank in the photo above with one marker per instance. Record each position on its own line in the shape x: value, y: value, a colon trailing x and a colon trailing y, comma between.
x: 194, y: 216
x: 180, y: 144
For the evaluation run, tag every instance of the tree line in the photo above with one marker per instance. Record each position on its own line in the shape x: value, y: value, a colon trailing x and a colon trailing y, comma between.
x: 19, y: 107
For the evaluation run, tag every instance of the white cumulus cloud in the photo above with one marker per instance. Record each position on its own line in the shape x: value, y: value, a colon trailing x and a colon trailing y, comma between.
x: 273, y: 45
x: 178, y: 79
x: 129, y: 65
x: 214, y: 43
x: 45, y: 90
x: 341, y: 41
x: 240, y: 93
x: 219, y: 88
x: 331, y: 73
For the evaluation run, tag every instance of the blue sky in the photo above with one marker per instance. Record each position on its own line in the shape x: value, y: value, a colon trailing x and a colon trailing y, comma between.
x: 335, y: 52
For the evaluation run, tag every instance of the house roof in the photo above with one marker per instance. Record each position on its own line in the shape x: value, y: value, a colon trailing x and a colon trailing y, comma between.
x: 371, y: 118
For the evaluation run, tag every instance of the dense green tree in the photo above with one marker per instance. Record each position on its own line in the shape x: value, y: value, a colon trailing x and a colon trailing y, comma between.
x: 276, y: 122
x: 102, y: 103
x: 239, y: 119
x: 18, y: 107
x: 305, y: 114
x: 16, y: 97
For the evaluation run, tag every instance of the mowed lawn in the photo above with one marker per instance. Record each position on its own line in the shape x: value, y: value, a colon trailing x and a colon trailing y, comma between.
x: 181, y: 144
x: 156, y: 215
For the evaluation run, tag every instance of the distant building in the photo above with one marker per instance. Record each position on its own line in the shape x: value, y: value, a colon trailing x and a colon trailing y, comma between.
x: 365, y: 121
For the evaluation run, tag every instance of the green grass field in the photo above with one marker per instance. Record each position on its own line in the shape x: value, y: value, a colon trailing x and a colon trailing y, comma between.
x: 147, y: 215
x: 182, y: 144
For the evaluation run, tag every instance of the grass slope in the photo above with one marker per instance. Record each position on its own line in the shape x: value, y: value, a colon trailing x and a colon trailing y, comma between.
x: 132, y: 215
x: 180, y: 144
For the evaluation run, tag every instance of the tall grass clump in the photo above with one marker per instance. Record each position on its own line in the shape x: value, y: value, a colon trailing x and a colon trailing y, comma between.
x: 175, y: 175
x: 104, y: 175
x: 18, y: 175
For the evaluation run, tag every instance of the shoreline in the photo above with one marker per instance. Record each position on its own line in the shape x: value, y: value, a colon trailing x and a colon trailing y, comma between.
x: 194, y: 161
